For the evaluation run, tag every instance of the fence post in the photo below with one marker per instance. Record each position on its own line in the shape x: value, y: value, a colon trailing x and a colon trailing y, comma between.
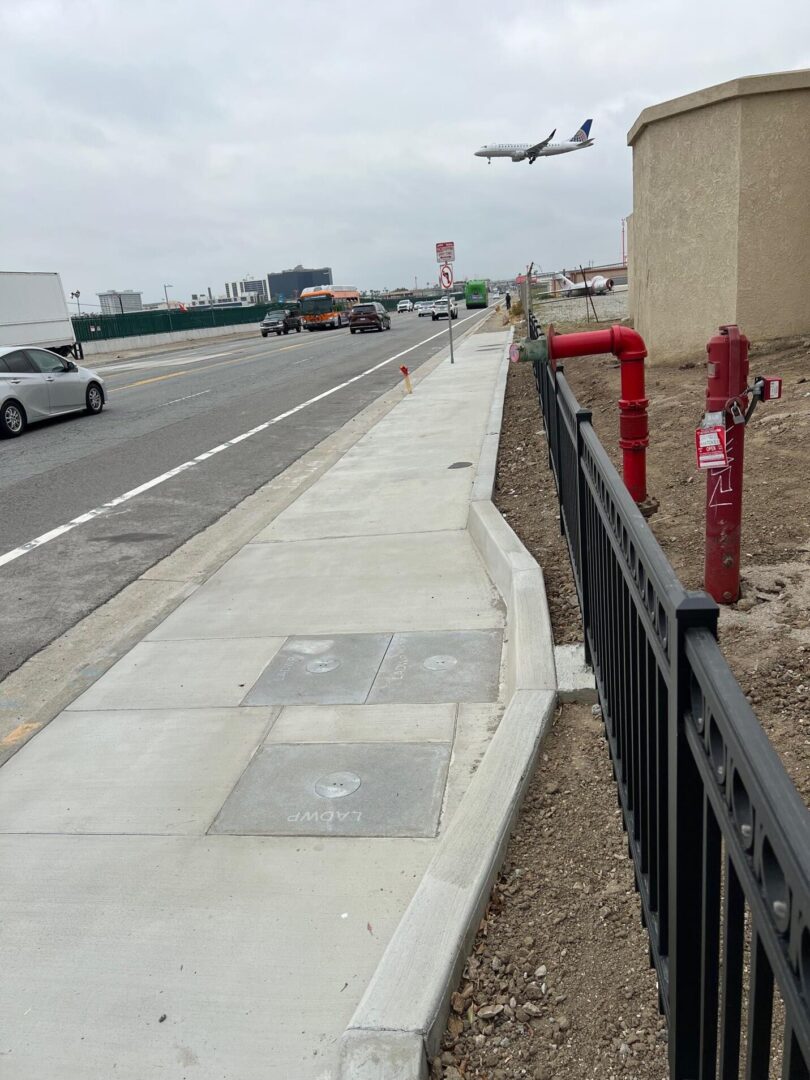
x: 681, y: 923
x: 583, y: 416
x: 558, y: 370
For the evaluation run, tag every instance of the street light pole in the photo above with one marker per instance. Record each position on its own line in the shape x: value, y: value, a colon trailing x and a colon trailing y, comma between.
x: 168, y: 309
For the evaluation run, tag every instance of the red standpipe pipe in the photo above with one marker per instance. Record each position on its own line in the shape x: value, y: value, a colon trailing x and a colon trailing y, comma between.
x: 629, y: 348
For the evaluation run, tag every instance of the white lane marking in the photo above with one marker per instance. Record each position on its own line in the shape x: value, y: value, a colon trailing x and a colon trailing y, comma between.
x: 99, y: 511
x: 188, y: 397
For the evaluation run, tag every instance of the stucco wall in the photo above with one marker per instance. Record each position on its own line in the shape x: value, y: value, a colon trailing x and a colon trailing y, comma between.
x: 773, y: 291
x: 720, y: 213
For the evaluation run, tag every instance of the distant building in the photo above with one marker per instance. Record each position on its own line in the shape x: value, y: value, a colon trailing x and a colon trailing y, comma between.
x: 115, y: 302
x: 287, y: 284
x: 208, y: 300
x: 247, y: 291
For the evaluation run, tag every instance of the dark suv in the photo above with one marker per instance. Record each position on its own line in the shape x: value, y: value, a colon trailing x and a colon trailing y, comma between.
x: 280, y: 322
x: 369, y: 317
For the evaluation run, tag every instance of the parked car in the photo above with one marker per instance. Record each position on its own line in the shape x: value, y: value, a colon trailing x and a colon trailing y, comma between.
x: 369, y: 317
x: 280, y: 322
x: 423, y: 308
x: 404, y: 305
x: 444, y: 309
x: 37, y: 384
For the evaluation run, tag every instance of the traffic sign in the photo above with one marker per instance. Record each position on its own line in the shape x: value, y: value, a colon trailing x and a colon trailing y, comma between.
x: 446, y: 276
x: 446, y: 251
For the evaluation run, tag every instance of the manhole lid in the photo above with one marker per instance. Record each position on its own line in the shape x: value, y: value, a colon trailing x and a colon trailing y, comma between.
x: 319, y: 667
x: 336, y: 785
x: 439, y: 662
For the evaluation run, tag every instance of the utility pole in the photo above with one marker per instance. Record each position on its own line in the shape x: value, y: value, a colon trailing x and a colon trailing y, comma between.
x: 166, y: 294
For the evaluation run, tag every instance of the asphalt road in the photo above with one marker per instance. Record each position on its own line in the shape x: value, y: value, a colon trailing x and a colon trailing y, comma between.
x: 165, y: 409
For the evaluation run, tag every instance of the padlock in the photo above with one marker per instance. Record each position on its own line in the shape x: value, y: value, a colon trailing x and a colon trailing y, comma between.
x: 737, y: 415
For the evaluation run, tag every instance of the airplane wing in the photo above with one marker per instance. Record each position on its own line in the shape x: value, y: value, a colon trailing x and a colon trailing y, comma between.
x: 533, y: 151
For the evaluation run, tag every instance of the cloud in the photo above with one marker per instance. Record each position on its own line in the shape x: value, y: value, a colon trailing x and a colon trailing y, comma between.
x: 197, y: 142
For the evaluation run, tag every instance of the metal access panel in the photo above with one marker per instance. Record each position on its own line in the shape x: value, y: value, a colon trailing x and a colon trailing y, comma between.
x: 321, y: 670
x: 332, y: 789
x: 458, y: 665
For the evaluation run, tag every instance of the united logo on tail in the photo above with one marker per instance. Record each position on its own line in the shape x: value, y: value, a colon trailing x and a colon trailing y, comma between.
x: 583, y: 133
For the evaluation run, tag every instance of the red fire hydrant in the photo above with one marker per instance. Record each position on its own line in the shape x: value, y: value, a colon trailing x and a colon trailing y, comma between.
x: 720, y: 443
x: 721, y: 436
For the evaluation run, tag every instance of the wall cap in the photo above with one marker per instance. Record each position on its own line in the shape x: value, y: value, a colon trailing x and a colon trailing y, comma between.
x: 747, y: 86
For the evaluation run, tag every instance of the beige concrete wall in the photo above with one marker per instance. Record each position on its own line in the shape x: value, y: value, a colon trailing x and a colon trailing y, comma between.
x: 631, y: 297
x: 720, y: 214
x: 773, y: 275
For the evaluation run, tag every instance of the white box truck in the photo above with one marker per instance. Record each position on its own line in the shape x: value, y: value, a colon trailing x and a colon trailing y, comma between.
x: 33, y: 311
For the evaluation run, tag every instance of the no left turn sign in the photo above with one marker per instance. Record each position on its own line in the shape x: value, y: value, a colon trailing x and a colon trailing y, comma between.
x: 446, y: 276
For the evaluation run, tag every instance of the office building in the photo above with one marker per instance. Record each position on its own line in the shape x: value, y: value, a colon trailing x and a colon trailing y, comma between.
x: 247, y: 291
x: 119, y: 302
x: 287, y: 284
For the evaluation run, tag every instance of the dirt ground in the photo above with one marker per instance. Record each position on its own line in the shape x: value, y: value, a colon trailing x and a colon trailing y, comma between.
x: 766, y: 636
x: 558, y: 983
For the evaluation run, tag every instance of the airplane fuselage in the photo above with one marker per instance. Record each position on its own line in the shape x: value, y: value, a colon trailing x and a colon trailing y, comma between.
x: 519, y: 151
x: 544, y: 148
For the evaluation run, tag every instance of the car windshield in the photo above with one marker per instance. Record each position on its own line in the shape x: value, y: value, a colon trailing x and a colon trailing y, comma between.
x: 363, y: 309
x: 273, y: 316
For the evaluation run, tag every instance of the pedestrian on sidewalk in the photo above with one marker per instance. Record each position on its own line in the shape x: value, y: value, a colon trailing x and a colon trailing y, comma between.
x: 508, y: 302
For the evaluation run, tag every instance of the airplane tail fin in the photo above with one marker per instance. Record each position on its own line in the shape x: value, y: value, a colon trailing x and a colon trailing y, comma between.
x: 583, y: 133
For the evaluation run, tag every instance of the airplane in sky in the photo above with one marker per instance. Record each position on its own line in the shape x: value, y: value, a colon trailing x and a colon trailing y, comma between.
x: 597, y: 286
x: 546, y: 148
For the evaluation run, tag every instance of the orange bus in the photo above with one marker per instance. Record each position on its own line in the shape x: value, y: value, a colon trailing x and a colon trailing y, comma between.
x: 326, y: 306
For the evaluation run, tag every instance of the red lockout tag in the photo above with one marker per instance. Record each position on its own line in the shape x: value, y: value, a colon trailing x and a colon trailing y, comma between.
x: 710, y: 444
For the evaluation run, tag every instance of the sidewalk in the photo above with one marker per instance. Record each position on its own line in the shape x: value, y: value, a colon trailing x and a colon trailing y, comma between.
x: 204, y: 857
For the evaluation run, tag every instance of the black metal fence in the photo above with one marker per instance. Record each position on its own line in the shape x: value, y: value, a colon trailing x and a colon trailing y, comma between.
x: 719, y: 837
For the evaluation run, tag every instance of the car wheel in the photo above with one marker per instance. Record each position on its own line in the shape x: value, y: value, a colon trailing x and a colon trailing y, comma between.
x: 298, y: 329
x: 351, y: 329
x: 94, y: 399
x: 286, y: 331
x: 13, y: 421
x: 264, y: 334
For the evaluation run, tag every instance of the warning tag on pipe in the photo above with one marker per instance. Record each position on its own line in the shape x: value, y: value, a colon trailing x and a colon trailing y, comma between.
x: 710, y: 444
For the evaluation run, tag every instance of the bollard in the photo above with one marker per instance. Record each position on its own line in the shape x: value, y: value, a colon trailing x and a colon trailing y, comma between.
x: 407, y: 377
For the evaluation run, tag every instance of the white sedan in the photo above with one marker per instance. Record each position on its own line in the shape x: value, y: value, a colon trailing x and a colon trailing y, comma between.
x: 423, y: 308
x: 36, y: 384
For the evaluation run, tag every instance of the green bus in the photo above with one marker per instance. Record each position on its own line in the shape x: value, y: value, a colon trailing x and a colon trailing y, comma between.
x: 475, y: 294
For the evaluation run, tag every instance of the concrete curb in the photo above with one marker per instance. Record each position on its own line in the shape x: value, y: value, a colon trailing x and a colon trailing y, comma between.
x: 397, y: 1027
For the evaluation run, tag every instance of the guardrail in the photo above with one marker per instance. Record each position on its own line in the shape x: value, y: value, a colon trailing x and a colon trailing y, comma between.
x: 718, y: 835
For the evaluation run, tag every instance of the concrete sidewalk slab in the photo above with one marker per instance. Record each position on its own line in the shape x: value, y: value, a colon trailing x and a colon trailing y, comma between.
x: 364, y: 584
x: 460, y: 665
x: 170, y: 675
x: 365, y: 723
x: 255, y: 950
x: 129, y: 772
x: 337, y: 670
x: 345, y: 789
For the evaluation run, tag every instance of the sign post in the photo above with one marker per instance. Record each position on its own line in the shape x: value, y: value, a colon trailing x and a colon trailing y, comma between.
x: 446, y: 254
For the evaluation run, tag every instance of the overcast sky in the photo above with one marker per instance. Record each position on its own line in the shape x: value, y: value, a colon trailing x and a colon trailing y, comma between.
x: 196, y: 142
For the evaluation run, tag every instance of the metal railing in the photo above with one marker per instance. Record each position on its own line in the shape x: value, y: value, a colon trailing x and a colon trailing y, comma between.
x: 718, y: 835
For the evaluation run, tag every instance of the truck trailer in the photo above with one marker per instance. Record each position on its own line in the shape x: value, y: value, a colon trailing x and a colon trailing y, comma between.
x: 33, y: 311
